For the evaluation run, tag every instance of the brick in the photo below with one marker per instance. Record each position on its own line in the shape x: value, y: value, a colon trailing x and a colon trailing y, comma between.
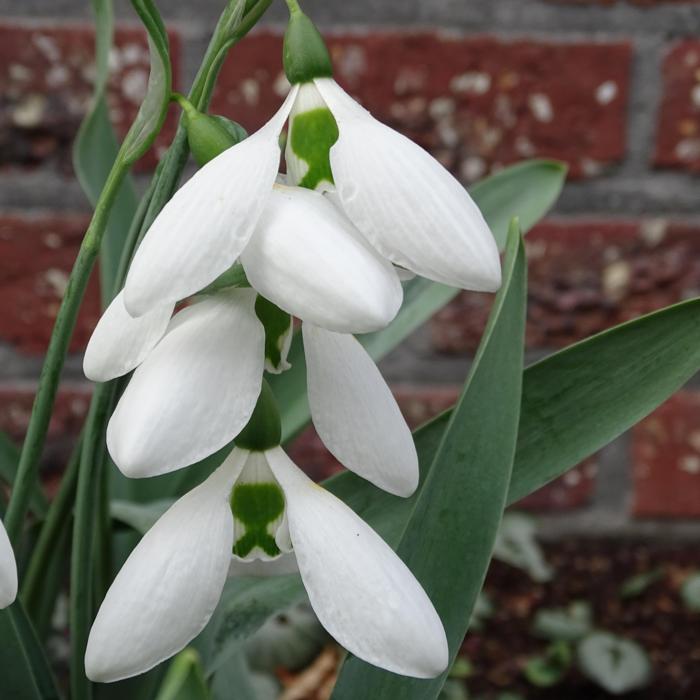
x: 419, y: 404
x: 678, y: 134
x: 36, y: 256
x: 46, y: 77
x: 72, y: 403
x: 666, y: 460
x: 584, y: 277
x: 475, y: 103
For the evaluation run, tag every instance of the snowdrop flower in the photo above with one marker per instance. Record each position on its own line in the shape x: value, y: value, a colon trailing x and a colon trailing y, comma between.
x: 197, y: 388
x: 400, y: 200
x: 259, y: 509
x: 8, y: 570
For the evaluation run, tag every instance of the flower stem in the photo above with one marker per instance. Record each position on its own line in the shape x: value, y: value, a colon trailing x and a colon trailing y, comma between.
x: 55, y: 355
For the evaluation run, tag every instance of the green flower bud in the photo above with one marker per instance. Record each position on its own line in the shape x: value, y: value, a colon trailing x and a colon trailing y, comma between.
x: 209, y: 134
x: 264, y: 429
x: 304, y: 53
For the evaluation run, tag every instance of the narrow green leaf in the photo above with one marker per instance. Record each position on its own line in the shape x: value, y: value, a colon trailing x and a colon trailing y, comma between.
x: 246, y: 604
x: 184, y: 679
x: 95, y: 149
x: 25, y: 671
x: 9, y: 458
x: 615, y: 663
x: 451, y: 532
x: 636, y: 585
x: 154, y: 107
x: 526, y: 190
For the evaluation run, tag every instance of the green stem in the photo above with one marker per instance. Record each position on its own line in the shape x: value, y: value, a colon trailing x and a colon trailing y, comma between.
x: 55, y: 356
x: 81, y: 574
x: 46, y: 544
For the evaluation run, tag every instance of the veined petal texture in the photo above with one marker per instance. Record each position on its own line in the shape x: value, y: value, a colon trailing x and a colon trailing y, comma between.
x: 120, y: 342
x: 408, y: 206
x: 202, y: 230
x: 307, y: 258
x: 169, y: 586
x: 195, y: 391
x: 363, y: 594
x: 355, y: 413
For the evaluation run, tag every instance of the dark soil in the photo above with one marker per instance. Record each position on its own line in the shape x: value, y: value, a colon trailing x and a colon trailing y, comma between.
x: 593, y: 571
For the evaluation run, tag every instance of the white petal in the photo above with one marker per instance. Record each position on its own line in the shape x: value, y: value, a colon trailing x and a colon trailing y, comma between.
x: 195, y: 391
x: 169, y: 586
x: 120, y: 342
x: 307, y: 258
x: 408, y: 205
x: 355, y: 412
x: 205, y: 226
x: 8, y: 570
x: 363, y: 594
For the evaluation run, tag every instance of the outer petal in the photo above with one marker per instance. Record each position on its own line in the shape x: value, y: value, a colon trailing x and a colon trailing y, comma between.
x: 406, y: 204
x: 120, y: 342
x: 363, y: 594
x: 206, y: 225
x: 195, y: 392
x: 169, y: 586
x: 307, y: 258
x: 355, y: 412
x: 8, y: 570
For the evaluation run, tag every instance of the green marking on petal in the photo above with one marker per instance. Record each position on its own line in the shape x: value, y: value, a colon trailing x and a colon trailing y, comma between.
x: 313, y: 134
x: 256, y: 505
x: 277, y: 327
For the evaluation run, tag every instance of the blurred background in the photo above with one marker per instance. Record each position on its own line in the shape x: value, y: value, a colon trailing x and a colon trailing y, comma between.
x: 610, y: 87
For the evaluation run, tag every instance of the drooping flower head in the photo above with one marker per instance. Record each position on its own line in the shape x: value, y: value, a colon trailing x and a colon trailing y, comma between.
x: 8, y: 570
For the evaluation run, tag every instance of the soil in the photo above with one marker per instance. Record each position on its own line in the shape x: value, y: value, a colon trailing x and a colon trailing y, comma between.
x: 592, y: 571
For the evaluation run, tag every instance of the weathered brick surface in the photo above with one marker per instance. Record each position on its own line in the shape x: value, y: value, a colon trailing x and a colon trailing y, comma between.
x: 476, y: 103
x: 36, y: 256
x: 421, y: 403
x: 666, y: 460
x: 71, y: 408
x: 46, y: 77
x: 584, y: 277
x: 678, y: 135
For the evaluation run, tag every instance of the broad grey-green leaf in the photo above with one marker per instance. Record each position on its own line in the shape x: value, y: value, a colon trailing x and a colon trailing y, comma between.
x: 615, y: 663
x: 563, y: 624
x: 526, y: 190
x: 25, y: 670
x: 154, y: 107
x: 460, y: 503
x: 690, y: 592
x: 139, y: 516
x: 95, y: 150
x: 516, y: 544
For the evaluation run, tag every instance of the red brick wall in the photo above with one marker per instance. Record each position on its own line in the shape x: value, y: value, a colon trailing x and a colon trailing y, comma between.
x: 477, y: 101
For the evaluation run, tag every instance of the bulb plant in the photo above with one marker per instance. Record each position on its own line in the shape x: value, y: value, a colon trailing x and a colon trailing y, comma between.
x: 202, y: 377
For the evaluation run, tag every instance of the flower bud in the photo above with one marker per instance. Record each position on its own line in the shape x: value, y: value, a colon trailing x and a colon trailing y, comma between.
x: 304, y: 53
x: 209, y: 134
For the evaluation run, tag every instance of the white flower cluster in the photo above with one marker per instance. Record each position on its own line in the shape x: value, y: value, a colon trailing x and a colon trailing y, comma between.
x: 360, y: 207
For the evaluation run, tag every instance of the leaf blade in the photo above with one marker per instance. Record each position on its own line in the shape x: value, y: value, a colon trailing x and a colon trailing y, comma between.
x: 457, y: 509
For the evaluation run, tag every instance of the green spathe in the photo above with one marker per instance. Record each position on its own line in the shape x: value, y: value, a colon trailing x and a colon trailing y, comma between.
x: 256, y: 505
x: 304, y: 52
x: 312, y: 135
